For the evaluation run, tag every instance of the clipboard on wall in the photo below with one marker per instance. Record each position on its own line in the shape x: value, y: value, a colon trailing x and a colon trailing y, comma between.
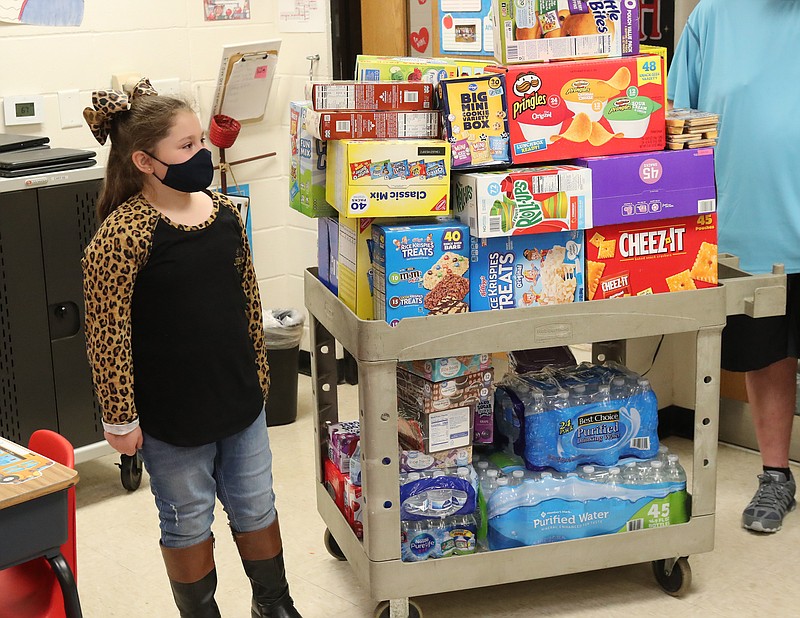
x: 245, y: 78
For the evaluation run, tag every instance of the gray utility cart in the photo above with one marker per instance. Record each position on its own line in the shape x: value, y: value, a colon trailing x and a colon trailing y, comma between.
x: 377, y: 348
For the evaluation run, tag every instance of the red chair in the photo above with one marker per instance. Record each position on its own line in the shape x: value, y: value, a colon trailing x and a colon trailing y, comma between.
x: 41, y: 588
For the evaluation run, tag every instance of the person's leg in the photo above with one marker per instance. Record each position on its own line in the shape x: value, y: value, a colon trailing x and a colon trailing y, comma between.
x: 771, y: 392
x: 244, y: 484
x: 182, y: 482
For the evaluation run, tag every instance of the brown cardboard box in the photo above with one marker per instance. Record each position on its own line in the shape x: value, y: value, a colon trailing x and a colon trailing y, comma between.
x: 732, y: 386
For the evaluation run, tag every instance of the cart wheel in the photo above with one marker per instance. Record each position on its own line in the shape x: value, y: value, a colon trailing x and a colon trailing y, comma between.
x: 130, y: 471
x: 679, y: 579
x: 333, y: 547
x: 414, y: 610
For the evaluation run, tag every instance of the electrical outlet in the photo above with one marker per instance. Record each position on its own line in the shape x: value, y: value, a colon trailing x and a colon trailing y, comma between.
x: 69, y: 108
x: 170, y: 87
x: 120, y: 80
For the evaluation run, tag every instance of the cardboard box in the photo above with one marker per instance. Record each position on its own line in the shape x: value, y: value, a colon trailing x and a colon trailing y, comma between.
x: 651, y: 257
x: 389, y: 178
x: 334, y: 482
x: 657, y: 50
x: 451, y: 27
x: 436, y: 431
x: 342, y: 441
x: 524, y: 201
x: 527, y: 270
x: 653, y: 185
x: 474, y: 120
x: 414, y: 69
x: 353, y: 503
x: 566, y: 110
x: 448, y: 368
x: 564, y: 30
x: 328, y: 252
x: 420, y: 270
x: 415, y: 392
x: 371, y: 96
x: 355, y: 266
x: 308, y: 166
x: 415, y: 461
x: 374, y: 125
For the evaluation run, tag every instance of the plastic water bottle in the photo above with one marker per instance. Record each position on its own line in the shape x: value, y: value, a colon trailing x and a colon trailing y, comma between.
x: 413, y: 476
x: 656, y: 475
x: 630, y: 474
x: 603, y: 394
x: 613, y: 480
x: 463, y: 532
x: 674, y: 472
x: 355, y: 466
x: 489, y: 483
x: 679, y: 499
x: 517, y: 476
x: 588, y: 473
x: 663, y: 452
x: 618, y: 389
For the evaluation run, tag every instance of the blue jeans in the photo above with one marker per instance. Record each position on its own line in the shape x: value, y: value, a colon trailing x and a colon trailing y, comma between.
x: 186, y: 481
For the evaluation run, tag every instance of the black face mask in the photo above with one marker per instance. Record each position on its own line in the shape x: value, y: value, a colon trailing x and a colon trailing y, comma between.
x: 193, y: 175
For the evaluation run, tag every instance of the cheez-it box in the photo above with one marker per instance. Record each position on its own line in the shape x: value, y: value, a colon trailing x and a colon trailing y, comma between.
x: 566, y: 110
x: 651, y: 257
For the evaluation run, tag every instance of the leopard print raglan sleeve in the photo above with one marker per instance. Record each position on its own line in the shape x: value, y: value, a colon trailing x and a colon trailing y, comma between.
x: 111, y: 263
x: 250, y: 287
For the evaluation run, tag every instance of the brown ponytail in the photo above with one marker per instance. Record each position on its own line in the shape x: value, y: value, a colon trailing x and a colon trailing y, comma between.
x: 141, y: 128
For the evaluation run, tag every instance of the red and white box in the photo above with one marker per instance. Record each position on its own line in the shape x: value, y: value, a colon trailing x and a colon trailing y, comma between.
x: 352, y: 507
x: 373, y: 125
x: 334, y: 483
x: 371, y: 96
x: 651, y: 257
x: 567, y: 110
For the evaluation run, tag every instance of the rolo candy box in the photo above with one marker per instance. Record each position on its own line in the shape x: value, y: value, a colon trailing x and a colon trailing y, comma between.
x: 524, y: 201
x: 566, y: 110
x: 650, y: 257
x: 389, y: 178
x: 474, y: 119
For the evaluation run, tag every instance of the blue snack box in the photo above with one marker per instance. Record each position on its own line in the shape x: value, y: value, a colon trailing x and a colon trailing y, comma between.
x: 527, y: 270
x: 420, y: 270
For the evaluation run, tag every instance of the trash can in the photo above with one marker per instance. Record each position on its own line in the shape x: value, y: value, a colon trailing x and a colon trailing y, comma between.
x: 283, y: 329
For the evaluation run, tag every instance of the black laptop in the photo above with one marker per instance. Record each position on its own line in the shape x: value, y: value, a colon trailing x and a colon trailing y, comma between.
x: 30, y: 162
x: 9, y: 142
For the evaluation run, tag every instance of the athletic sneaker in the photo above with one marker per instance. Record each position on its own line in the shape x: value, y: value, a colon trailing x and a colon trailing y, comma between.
x: 774, y: 498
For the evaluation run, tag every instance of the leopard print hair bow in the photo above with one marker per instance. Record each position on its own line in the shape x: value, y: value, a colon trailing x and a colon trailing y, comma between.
x: 106, y: 103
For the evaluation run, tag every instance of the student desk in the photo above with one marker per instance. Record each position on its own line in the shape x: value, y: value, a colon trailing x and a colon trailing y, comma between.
x: 34, y: 515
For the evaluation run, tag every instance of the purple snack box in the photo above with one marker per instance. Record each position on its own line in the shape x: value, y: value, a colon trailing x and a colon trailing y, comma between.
x: 647, y: 186
x: 483, y: 422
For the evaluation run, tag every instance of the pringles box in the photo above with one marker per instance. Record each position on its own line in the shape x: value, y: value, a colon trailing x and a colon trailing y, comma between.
x: 371, y: 96
x: 650, y: 257
x: 542, y: 30
x: 565, y: 110
x: 373, y: 125
x: 420, y: 270
x: 389, y: 178
x: 525, y: 271
x: 308, y: 165
x: 474, y: 120
x: 524, y: 201
x: 657, y: 50
x: 652, y: 185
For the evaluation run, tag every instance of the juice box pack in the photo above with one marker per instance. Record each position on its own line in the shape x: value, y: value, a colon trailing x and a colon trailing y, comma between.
x: 565, y: 110
x: 474, y: 119
x: 650, y: 257
x: 527, y: 270
x: 652, y: 185
x: 542, y: 30
x: 371, y: 96
x: 447, y: 368
x: 308, y: 166
x: 420, y: 270
x: 373, y: 125
x: 524, y: 201
x: 389, y: 178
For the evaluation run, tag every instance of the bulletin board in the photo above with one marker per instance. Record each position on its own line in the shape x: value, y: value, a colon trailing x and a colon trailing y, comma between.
x: 244, y: 81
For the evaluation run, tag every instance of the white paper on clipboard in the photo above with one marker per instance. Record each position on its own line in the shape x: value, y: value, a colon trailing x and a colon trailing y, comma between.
x: 245, y: 78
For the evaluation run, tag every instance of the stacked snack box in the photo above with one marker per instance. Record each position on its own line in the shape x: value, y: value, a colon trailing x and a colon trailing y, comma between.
x: 307, y: 169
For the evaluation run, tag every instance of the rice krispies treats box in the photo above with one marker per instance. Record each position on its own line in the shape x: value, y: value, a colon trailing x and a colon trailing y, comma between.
x: 389, y: 178
x: 588, y: 108
x: 524, y: 201
x: 544, y: 30
x: 651, y: 257
x: 527, y: 270
x: 420, y: 270
x: 474, y: 120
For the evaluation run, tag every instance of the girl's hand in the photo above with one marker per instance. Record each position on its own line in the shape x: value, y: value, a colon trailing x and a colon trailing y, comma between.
x: 126, y: 444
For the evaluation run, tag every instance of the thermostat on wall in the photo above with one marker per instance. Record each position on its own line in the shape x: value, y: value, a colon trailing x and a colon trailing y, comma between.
x: 23, y: 109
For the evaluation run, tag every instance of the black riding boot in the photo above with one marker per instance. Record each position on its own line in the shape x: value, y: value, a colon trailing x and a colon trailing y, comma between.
x: 193, y: 579
x: 270, y: 589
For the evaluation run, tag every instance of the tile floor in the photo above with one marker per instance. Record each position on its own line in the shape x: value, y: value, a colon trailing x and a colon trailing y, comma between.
x: 121, y: 573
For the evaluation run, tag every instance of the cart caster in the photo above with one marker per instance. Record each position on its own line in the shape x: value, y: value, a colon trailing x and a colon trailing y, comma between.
x: 130, y: 471
x: 333, y: 547
x: 383, y: 610
x: 675, y: 580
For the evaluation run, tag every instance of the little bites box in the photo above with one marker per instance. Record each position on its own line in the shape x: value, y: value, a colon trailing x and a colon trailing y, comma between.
x: 651, y: 257
x: 527, y: 270
x: 542, y: 30
x: 566, y: 110
x: 389, y: 178
x: 524, y: 201
x: 652, y: 185
x: 420, y: 270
